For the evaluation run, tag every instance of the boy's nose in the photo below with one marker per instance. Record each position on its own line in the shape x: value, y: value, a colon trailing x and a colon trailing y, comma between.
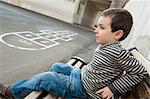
x: 95, y: 28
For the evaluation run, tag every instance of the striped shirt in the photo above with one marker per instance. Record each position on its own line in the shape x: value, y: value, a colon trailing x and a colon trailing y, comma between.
x: 107, y: 68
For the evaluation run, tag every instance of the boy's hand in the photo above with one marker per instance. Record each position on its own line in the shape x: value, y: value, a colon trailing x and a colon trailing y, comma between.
x: 105, y: 93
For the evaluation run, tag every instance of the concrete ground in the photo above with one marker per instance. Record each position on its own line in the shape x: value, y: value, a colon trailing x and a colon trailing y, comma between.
x: 59, y: 9
x: 30, y: 43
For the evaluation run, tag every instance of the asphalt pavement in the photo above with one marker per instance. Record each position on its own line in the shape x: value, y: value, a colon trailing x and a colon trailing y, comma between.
x: 30, y: 42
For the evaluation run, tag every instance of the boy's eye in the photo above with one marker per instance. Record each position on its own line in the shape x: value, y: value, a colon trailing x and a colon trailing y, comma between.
x: 101, y: 27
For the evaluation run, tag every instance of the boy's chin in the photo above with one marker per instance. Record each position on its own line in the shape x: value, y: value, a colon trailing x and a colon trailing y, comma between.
x: 99, y: 42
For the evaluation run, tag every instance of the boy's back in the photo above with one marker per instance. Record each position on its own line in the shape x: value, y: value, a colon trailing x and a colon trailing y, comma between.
x: 103, y: 76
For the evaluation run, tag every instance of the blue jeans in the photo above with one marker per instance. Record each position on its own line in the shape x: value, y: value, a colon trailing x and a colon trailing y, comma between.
x: 62, y: 80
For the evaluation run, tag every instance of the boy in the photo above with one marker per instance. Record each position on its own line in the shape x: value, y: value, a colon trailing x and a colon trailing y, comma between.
x: 103, y: 77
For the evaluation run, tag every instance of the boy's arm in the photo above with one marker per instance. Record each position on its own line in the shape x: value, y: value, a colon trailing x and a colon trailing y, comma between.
x: 135, y: 72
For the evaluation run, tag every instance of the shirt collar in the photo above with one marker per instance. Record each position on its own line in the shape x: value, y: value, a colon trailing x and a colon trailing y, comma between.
x: 110, y: 43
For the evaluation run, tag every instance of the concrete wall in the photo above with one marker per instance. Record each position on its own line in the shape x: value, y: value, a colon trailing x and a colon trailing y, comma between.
x: 59, y: 9
x: 79, y: 11
x: 118, y: 3
x: 140, y: 34
x: 90, y: 15
x: 14, y: 2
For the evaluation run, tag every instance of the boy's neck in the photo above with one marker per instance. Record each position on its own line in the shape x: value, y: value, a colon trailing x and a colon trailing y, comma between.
x: 111, y: 43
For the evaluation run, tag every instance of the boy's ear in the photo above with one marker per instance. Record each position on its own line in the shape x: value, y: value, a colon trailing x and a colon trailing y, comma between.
x: 118, y: 34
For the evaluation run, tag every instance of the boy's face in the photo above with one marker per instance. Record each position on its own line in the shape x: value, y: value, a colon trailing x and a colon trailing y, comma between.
x: 103, y: 31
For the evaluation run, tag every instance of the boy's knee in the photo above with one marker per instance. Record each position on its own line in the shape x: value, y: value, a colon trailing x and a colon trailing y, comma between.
x: 55, y: 66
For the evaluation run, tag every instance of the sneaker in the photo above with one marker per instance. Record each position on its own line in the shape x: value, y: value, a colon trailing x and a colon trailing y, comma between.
x: 3, y: 97
x: 3, y: 90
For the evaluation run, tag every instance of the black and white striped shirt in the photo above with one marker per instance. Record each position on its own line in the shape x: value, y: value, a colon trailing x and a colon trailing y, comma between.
x: 107, y: 69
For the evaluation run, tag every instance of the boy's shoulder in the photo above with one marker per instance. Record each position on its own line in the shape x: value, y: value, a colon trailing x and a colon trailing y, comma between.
x: 114, y: 47
x: 111, y: 50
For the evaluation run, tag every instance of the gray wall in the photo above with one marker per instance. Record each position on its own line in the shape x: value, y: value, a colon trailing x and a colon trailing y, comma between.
x: 140, y: 34
x: 90, y: 15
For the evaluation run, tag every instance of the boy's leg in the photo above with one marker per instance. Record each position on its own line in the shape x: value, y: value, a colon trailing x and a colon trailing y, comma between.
x: 61, y: 68
x: 48, y: 81
x: 75, y: 89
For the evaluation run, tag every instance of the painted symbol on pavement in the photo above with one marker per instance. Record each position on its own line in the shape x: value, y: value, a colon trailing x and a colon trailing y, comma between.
x: 44, y: 39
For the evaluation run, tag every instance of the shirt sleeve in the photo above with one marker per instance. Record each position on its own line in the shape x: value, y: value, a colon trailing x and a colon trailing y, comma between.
x: 134, y: 73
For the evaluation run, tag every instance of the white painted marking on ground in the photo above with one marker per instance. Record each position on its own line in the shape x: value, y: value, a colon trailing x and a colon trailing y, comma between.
x: 43, y: 38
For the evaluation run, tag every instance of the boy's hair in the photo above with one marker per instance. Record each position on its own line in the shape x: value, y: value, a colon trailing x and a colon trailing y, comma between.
x: 121, y: 19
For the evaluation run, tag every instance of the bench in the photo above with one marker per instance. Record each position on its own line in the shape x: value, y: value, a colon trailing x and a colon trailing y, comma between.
x: 140, y: 91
